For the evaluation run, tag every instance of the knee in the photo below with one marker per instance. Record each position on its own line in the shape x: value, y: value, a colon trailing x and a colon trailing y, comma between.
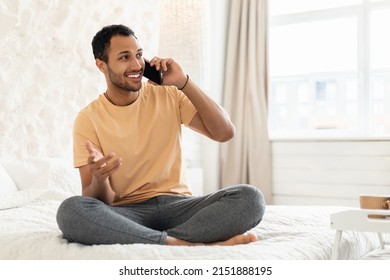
x: 66, y: 210
x: 70, y: 209
x: 255, y: 202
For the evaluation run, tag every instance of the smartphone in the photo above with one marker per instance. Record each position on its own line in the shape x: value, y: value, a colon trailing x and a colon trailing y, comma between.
x: 152, y: 73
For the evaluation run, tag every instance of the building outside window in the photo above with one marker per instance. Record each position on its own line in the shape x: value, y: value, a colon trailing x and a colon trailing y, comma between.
x: 329, y: 69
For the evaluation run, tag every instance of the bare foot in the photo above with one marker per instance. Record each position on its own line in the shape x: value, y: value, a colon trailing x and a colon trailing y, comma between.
x: 179, y: 242
x: 235, y: 240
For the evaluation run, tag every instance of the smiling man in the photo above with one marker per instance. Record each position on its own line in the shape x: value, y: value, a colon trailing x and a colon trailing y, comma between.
x: 127, y: 146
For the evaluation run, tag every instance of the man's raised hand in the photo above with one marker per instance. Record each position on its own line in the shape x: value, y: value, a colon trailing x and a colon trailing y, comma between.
x: 101, y: 167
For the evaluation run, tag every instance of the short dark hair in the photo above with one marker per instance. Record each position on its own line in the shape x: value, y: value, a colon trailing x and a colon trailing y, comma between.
x: 101, y: 41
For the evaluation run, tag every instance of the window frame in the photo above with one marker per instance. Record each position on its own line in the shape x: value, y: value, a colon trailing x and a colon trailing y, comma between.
x: 362, y: 14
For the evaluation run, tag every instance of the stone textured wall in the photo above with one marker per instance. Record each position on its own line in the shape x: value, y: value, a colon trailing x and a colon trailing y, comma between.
x: 47, y: 70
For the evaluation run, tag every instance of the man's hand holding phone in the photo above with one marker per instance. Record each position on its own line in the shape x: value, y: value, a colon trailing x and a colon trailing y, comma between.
x: 152, y: 73
x: 171, y: 71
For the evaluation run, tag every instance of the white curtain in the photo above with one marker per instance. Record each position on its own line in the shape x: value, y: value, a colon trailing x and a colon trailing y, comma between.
x: 184, y: 37
x: 247, y: 157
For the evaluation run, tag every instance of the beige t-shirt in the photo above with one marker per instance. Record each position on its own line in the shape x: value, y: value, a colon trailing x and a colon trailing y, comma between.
x: 145, y: 134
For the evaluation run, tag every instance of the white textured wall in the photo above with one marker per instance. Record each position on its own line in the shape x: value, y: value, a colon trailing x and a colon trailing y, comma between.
x: 47, y: 70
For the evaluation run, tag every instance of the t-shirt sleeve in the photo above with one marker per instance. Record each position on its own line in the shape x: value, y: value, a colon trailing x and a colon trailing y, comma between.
x: 83, y: 130
x: 187, y: 109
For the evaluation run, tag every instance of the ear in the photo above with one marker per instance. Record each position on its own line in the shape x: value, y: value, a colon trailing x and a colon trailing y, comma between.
x: 101, y: 65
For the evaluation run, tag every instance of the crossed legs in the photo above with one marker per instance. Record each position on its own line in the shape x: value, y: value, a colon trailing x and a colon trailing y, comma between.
x: 220, y: 218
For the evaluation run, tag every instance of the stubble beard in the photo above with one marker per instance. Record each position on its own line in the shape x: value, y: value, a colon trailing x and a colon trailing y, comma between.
x: 118, y: 81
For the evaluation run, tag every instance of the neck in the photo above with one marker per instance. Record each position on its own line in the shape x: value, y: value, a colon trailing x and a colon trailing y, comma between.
x: 122, y: 100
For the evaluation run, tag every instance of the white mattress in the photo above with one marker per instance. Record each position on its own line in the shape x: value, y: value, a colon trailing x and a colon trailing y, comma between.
x: 29, y: 231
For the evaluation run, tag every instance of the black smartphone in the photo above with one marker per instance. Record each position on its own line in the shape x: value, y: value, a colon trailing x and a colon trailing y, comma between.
x: 152, y: 73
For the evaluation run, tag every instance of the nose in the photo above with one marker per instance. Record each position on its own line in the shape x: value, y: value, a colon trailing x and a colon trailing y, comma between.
x: 136, y: 64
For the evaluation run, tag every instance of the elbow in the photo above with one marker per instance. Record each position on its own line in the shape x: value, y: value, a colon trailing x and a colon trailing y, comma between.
x: 227, y: 134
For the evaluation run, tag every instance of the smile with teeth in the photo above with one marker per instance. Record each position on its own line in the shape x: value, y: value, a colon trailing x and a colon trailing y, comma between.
x: 133, y: 76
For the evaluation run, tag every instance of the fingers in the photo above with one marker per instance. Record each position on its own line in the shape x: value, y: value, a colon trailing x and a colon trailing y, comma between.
x: 99, y: 162
x: 99, y: 165
x: 105, y: 166
x: 108, y: 169
x: 94, y: 155
x: 89, y: 146
x: 160, y: 63
x: 173, y: 73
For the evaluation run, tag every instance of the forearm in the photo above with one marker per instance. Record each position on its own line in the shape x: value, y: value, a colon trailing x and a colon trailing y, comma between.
x: 214, y: 117
x: 100, y: 190
x: 211, y: 120
x: 95, y: 175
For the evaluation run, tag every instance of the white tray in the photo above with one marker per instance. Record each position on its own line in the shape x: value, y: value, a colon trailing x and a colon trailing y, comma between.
x: 358, y: 220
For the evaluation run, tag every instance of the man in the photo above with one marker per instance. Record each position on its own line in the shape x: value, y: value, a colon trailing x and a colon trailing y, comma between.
x: 127, y: 147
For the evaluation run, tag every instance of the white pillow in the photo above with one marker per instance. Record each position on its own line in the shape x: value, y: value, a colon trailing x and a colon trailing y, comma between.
x: 28, y: 173
x: 7, y: 185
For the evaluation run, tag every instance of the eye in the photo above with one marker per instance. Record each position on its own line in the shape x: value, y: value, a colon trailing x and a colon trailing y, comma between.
x: 124, y: 57
x: 139, y: 55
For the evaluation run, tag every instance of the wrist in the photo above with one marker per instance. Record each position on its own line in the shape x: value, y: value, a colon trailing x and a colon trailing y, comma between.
x: 98, y: 180
x: 184, y: 84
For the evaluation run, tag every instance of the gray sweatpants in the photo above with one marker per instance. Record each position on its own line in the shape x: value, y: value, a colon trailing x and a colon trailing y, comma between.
x: 210, y: 218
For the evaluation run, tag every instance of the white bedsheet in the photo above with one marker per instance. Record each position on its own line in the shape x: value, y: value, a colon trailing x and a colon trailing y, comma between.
x: 286, y: 232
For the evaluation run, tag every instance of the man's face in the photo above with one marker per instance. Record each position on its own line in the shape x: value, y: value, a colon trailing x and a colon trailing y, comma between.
x: 125, y: 63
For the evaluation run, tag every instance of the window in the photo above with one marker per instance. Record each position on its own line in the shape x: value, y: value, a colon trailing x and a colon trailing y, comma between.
x: 329, y: 65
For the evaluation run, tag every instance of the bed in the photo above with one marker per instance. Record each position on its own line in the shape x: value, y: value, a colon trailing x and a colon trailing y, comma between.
x: 28, y: 228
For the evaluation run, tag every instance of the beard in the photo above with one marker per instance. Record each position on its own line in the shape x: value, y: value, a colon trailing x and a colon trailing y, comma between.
x: 118, y: 81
